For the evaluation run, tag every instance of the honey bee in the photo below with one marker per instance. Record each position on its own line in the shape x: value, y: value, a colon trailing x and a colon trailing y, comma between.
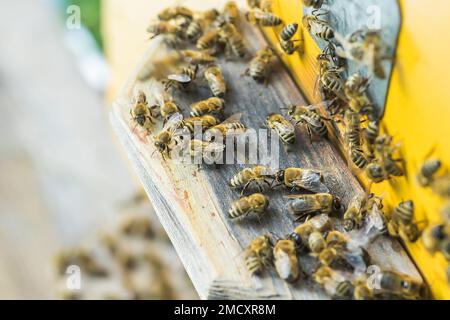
x: 441, y: 186
x: 167, y: 107
x: 352, y: 129
x: 330, y: 79
x: 305, y: 205
x: 82, y: 258
x: 285, y: 260
x: 298, y: 179
x: 287, y: 43
x: 181, y: 79
x: 428, y: 171
x: 205, y: 122
x: 173, y: 12
x: 258, y: 254
x: 308, y: 116
x: 355, y: 89
x: 197, y: 57
x: 400, y: 284
x: 209, y: 151
x: 284, y: 129
x: 433, y: 237
x: 211, y: 105
x: 318, y: 27
x: 264, y: 19
x: 209, y: 39
x: 402, y: 222
x: 230, y: 126
x: 316, y: 4
x: 316, y: 242
x: 257, y: 175
x: 256, y: 203
x: 215, y: 79
x: 334, y: 282
x: 230, y: 12
x: 234, y: 43
x: 163, y: 27
x: 366, y: 47
x: 261, y: 65
x: 319, y: 223
x: 166, y: 140
x: 141, y: 113
x: 354, y: 215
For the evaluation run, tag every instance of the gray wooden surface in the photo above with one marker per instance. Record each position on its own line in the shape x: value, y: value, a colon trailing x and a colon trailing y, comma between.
x: 192, y: 205
x: 349, y: 16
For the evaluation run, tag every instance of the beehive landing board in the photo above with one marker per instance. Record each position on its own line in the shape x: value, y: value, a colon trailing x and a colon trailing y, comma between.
x: 192, y: 205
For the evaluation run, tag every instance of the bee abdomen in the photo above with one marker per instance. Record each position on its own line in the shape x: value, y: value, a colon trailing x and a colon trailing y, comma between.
x: 405, y: 211
x: 358, y: 158
x: 371, y: 132
x: 288, y: 137
x: 253, y: 264
x: 289, y: 31
x: 237, y: 211
x: 344, y: 289
x: 430, y: 168
x: 237, y: 181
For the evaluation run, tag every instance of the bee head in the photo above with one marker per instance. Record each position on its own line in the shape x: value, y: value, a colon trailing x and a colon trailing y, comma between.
x: 279, y: 176
x: 159, y: 145
x: 337, y: 205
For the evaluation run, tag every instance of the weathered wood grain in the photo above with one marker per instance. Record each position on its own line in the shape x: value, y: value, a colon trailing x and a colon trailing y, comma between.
x: 192, y: 205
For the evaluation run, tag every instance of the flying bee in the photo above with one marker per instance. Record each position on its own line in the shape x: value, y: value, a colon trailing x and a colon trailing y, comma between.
x: 335, y: 283
x: 428, y: 171
x: 433, y: 237
x: 163, y: 27
x: 209, y: 39
x: 197, y: 57
x: 204, y: 122
x: 258, y: 254
x: 284, y: 129
x: 173, y: 12
x: 304, y: 205
x: 256, y: 203
x: 399, y: 284
x: 211, y: 105
x: 297, y: 179
x: 355, y: 89
x: 265, y: 19
x: 287, y: 43
x: 141, y: 113
x: 257, y: 175
x: 182, y: 78
x: 308, y: 116
x: 441, y: 186
x: 233, y: 40
x: 230, y: 12
x: 316, y: 4
x: 285, y: 260
x: 318, y: 27
x: 165, y: 140
x: 211, y: 152
x: 261, y: 65
x: 402, y: 222
x: 232, y: 126
x: 215, y: 79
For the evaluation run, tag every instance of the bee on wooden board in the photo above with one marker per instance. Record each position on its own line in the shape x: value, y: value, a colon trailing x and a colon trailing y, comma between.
x: 319, y: 223
x: 336, y: 283
x: 197, y: 57
x: 216, y: 81
x: 260, y: 67
x: 298, y: 179
x: 287, y: 44
x: 308, y: 116
x: 256, y: 203
x: 258, y: 176
x: 210, y: 152
x: 400, y: 285
x: 233, y: 40
x: 262, y: 18
x: 232, y: 126
x: 304, y: 205
x: 204, y: 122
x: 163, y: 27
x: 181, y: 79
x: 318, y: 27
x: 141, y: 113
x: 284, y: 129
x: 285, y: 260
x: 167, y: 107
x: 166, y: 139
x: 258, y: 255
x: 173, y: 12
x: 315, y: 4
x: 211, y: 105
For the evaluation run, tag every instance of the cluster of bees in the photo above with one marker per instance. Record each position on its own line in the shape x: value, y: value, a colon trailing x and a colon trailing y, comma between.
x: 436, y: 238
x: 122, y: 262
x: 342, y: 259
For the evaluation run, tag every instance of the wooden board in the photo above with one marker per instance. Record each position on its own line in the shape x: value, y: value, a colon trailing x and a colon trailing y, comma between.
x: 192, y: 205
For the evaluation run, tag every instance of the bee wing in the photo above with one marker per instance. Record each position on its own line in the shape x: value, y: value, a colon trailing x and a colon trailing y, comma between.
x: 311, y: 180
x: 182, y: 78
x: 173, y: 123
x: 234, y: 118
x: 301, y: 206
